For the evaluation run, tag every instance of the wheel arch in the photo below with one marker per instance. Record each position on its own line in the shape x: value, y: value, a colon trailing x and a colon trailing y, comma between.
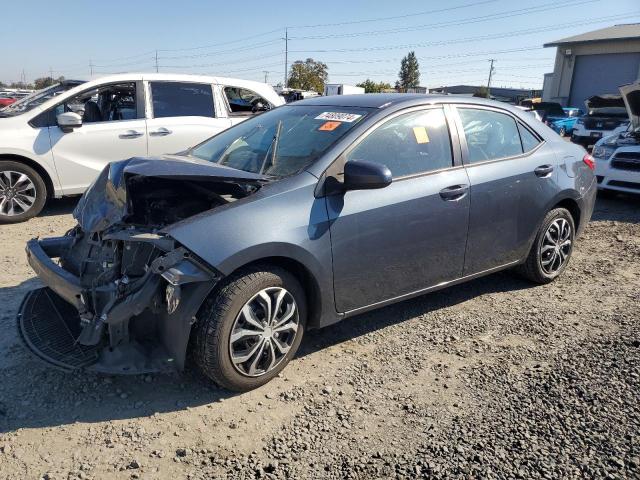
x: 574, y: 209
x: 306, y: 278
x: 46, y: 177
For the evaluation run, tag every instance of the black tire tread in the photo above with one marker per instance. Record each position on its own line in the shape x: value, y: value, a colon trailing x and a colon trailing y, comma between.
x: 216, y: 308
x: 41, y: 190
x: 530, y: 269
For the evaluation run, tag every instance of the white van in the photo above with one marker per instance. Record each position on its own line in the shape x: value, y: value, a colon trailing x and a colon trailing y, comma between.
x: 54, y: 142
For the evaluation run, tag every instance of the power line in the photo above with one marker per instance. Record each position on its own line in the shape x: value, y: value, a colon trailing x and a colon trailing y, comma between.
x: 202, y: 47
x: 380, y: 19
x: 484, y: 18
x: 514, y: 33
x: 224, y: 52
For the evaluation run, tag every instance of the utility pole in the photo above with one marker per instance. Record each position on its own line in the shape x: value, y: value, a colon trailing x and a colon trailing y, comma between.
x: 51, y: 73
x: 156, y: 61
x: 491, y: 69
x: 91, y: 68
x: 286, y: 57
x: 266, y: 75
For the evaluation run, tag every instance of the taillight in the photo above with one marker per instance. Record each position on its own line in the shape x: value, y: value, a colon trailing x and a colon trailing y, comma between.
x: 589, y: 161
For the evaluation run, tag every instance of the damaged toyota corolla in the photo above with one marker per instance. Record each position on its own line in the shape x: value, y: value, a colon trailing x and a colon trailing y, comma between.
x: 295, y: 219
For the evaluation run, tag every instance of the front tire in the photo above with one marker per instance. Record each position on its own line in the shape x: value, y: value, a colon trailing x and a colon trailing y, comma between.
x: 551, y: 249
x: 23, y: 192
x: 250, y: 328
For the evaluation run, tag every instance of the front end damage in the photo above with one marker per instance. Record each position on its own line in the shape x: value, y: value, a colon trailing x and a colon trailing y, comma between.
x: 121, y: 296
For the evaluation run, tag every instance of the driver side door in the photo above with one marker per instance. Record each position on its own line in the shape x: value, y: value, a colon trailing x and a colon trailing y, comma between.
x: 410, y: 235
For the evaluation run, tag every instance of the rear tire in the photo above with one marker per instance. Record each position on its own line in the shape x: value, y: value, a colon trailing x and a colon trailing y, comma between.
x: 23, y: 192
x: 551, y: 249
x: 234, y: 322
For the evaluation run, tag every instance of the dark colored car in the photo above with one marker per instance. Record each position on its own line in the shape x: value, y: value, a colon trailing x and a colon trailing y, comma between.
x: 296, y: 219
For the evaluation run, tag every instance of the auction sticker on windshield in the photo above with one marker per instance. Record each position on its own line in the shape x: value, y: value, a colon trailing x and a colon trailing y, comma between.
x: 339, y: 116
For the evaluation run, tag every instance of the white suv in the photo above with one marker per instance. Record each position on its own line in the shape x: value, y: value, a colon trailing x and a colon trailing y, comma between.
x: 54, y: 142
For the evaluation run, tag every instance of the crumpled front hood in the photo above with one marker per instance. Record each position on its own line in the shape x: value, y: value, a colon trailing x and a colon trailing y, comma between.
x: 631, y: 96
x: 106, y: 201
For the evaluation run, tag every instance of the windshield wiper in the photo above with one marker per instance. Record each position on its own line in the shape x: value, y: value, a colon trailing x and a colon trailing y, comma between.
x: 273, y: 148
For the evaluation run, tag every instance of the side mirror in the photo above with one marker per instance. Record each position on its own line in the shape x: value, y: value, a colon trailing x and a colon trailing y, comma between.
x: 68, y: 121
x: 260, y: 107
x: 363, y: 175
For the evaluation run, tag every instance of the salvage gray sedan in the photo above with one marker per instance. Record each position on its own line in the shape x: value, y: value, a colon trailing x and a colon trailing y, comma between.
x: 296, y: 219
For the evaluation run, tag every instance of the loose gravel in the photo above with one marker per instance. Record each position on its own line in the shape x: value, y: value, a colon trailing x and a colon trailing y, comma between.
x: 492, y: 379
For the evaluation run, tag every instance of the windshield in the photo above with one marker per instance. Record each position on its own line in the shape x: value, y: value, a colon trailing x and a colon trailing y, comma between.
x: 35, y: 99
x: 281, y: 142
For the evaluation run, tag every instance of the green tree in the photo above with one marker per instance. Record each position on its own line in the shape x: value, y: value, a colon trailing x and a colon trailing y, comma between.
x: 308, y: 75
x: 409, y: 75
x: 482, y: 92
x: 44, y: 82
x: 373, y: 87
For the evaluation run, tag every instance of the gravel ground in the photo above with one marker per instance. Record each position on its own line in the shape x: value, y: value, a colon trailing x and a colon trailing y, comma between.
x: 491, y: 379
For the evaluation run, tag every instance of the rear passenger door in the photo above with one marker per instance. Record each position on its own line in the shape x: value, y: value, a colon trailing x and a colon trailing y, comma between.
x: 512, y: 174
x: 181, y: 115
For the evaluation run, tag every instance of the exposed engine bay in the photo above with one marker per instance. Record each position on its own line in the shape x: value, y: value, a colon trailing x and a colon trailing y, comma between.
x: 122, y: 295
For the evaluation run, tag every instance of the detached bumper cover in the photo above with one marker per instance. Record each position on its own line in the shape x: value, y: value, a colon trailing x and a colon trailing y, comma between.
x: 39, y: 256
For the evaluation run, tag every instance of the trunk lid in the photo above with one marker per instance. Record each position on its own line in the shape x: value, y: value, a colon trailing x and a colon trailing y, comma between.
x: 631, y: 96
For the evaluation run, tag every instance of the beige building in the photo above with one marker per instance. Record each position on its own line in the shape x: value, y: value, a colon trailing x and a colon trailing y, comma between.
x: 593, y: 63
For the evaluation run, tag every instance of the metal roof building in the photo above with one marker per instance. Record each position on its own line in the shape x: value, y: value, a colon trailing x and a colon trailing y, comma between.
x: 593, y: 63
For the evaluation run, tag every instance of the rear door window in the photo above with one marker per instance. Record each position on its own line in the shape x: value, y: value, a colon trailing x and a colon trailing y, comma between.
x: 490, y: 135
x: 529, y: 140
x: 182, y: 99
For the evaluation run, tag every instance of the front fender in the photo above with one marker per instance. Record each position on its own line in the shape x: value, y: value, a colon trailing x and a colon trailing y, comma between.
x: 285, y: 221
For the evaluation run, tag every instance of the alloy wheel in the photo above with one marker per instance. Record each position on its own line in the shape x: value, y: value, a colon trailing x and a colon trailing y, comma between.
x: 17, y: 193
x: 556, y: 246
x: 263, y: 332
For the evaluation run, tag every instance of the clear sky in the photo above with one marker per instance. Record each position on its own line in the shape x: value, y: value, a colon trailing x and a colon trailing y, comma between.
x: 356, y: 39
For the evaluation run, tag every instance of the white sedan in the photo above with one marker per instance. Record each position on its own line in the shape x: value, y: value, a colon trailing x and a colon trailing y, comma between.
x: 54, y: 142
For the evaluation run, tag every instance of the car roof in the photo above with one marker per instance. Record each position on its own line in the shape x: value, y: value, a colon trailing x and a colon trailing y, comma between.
x: 386, y: 100
x: 79, y: 85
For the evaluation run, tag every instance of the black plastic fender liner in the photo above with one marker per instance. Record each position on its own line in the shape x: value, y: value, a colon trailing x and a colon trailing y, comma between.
x: 175, y: 328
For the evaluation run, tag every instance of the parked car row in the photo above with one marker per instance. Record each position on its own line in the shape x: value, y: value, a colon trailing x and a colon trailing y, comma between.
x: 54, y: 142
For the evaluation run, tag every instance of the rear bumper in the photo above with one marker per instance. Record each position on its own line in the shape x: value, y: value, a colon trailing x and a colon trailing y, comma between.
x: 39, y: 256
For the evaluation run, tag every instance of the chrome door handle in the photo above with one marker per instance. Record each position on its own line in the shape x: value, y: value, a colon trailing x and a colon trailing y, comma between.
x: 161, y: 132
x: 131, y: 134
x: 454, y: 192
x: 543, y: 170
